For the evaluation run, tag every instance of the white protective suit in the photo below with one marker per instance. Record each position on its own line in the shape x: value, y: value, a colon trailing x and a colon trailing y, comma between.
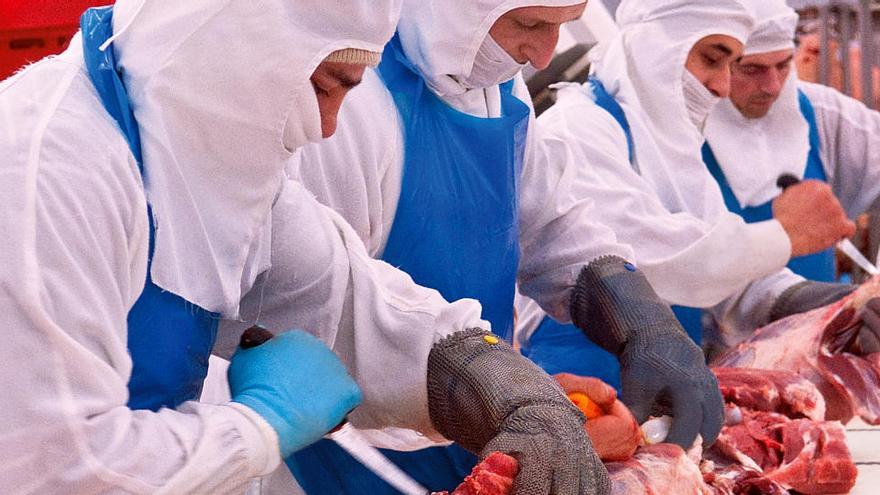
x: 778, y: 143
x: 665, y: 204
x: 358, y: 172
x: 221, y: 91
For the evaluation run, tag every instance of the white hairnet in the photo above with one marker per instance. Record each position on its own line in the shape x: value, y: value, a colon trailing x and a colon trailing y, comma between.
x: 222, y: 95
x: 775, y: 27
x: 753, y: 153
x: 441, y: 38
x: 642, y: 67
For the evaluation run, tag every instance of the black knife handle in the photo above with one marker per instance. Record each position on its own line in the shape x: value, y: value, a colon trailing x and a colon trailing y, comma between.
x: 786, y: 180
x: 255, y: 336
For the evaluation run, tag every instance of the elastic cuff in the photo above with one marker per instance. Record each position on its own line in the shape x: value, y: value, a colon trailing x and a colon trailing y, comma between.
x: 260, y: 439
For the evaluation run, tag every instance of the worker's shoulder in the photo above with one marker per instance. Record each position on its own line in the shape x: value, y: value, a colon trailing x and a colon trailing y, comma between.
x: 59, y: 131
x: 576, y: 113
x: 824, y: 97
x: 55, y: 108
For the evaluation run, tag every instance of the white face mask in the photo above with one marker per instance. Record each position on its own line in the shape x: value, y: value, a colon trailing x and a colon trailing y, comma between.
x: 304, y: 122
x: 698, y: 99
x: 492, y: 66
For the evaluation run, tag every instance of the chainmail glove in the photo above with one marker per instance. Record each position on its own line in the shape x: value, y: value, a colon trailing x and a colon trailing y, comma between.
x: 485, y: 396
x: 807, y: 295
x: 662, y: 370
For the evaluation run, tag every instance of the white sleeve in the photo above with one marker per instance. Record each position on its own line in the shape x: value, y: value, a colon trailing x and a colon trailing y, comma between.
x: 560, y: 232
x: 738, y: 316
x: 378, y: 321
x: 689, y: 261
x: 72, y: 263
x: 849, y: 135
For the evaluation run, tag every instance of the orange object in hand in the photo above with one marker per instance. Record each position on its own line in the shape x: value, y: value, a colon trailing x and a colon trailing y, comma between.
x: 590, y: 409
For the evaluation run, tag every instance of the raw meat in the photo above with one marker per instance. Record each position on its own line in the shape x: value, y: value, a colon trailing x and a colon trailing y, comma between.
x: 657, y: 470
x: 735, y: 479
x: 808, y: 456
x: 818, y: 345
x: 773, y: 391
x: 493, y: 476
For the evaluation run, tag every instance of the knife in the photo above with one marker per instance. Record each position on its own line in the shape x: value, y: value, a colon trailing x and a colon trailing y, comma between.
x: 845, y: 245
x: 347, y: 437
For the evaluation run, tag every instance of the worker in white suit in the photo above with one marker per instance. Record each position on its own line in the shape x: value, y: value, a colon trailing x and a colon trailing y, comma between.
x: 456, y: 189
x: 642, y: 165
x: 140, y: 167
x: 798, y: 129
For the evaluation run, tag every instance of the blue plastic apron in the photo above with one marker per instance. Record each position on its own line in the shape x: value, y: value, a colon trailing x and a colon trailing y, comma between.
x: 169, y: 339
x: 455, y: 230
x: 819, y: 266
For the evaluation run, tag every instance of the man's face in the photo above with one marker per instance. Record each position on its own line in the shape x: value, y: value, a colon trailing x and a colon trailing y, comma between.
x: 757, y: 80
x: 332, y: 81
x: 529, y: 34
x: 710, y: 59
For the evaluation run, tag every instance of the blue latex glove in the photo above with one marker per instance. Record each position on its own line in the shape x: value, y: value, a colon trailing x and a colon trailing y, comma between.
x: 296, y: 384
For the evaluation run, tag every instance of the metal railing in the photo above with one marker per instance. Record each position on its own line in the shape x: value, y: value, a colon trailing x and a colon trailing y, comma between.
x: 843, y: 25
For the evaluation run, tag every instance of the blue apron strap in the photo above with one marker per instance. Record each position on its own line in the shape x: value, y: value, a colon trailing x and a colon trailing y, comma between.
x: 610, y: 105
x: 815, y: 169
x: 97, y: 27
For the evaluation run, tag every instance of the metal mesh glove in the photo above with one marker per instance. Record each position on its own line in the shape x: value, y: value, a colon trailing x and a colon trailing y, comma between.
x: 807, y: 295
x: 662, y: 370
x: 485, y: 396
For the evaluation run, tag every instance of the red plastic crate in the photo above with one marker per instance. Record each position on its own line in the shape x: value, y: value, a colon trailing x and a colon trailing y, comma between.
x: 33, y: 29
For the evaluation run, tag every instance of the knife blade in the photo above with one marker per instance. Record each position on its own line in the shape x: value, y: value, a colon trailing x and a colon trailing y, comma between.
x: 353, y: 442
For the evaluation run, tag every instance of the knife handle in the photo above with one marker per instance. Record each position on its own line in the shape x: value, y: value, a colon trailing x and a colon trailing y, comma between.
x: 786, y: 180
x: 255, y: 336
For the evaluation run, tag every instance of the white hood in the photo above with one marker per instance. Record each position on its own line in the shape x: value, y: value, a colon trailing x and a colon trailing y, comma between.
x: 441, y: 38
x: 753, y: 153
x: 643, y: 67
x: 218, y: 89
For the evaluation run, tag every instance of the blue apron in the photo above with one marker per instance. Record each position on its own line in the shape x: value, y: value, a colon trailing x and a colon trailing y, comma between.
x: 818, y: 266
x: 456, y: 230
x: 169, y: 339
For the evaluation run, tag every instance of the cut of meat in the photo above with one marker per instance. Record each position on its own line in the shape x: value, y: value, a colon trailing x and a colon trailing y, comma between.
x: 493, y: 476
x: 657, y: 470
x: 770, y: 390
x: 817, y: 459
x: 816, y: 345
x: 808, y: 456
x: 734, y: 479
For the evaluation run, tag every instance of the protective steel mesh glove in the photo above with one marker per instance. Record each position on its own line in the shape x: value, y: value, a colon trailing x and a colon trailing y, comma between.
x: 807, y: 295
x: 662, y: 370
x: 296, y: 384
x: 485, y: 396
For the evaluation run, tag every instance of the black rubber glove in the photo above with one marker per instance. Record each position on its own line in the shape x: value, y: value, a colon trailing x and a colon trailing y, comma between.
x: 662, y: 370
x: 807, y: 295
x: 487, y: 397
